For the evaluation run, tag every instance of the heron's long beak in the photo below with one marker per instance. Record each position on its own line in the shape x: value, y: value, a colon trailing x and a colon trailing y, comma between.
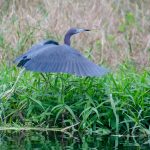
x: 82, y: 30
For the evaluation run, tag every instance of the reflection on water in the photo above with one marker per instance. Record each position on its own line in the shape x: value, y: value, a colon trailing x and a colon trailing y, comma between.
x: 53, y: 141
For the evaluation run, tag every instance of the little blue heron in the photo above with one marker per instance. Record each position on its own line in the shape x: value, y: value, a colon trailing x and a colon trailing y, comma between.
x: 49, y: 56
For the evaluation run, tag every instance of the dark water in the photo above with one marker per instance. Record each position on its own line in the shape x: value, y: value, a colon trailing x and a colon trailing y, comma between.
x: 53, y: 141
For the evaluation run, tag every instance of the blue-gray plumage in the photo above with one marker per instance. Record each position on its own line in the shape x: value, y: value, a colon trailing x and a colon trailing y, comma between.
x: 49, y: 56
x: 33, y: 49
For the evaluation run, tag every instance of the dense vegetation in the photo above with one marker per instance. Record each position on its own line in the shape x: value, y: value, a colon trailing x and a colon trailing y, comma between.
x: 116, y: 103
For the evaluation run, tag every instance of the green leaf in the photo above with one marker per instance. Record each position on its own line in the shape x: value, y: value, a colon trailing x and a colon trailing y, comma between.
x: 130, y: 19
x: 37, y: 102
x: 71, y: 112
x: 122, y: 28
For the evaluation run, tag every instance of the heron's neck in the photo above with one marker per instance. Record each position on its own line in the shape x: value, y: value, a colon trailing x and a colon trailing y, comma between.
x: 67, y: 39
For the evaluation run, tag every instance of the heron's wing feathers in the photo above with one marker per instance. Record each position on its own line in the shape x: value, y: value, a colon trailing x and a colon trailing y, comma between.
x: 35, y: 48
x: 64, y: 59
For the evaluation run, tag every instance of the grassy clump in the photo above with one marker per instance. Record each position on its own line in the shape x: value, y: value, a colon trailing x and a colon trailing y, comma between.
x: 115, y: 103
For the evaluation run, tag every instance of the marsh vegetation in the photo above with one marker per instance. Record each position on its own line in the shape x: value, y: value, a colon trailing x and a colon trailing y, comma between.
x: 116, y: 104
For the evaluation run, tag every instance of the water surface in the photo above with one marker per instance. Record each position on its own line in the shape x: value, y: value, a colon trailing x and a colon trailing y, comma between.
x: 54, y: 141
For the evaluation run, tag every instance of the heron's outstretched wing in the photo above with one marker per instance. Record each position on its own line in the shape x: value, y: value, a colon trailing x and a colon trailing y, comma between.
x: 34, y: 48
x: 62, y: 58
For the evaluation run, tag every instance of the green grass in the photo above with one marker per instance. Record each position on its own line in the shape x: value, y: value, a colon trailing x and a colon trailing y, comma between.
x: 118, y: 103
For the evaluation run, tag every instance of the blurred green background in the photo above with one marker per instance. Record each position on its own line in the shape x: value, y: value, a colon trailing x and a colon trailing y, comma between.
x: 123, y: 34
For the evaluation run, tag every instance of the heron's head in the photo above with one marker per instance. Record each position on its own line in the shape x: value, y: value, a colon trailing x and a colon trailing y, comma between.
x: 76, y: 30
x: 71, y: 32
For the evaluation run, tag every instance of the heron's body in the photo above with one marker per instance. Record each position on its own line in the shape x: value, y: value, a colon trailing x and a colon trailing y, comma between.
x: 49, y: 56
x: 35, y: 49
